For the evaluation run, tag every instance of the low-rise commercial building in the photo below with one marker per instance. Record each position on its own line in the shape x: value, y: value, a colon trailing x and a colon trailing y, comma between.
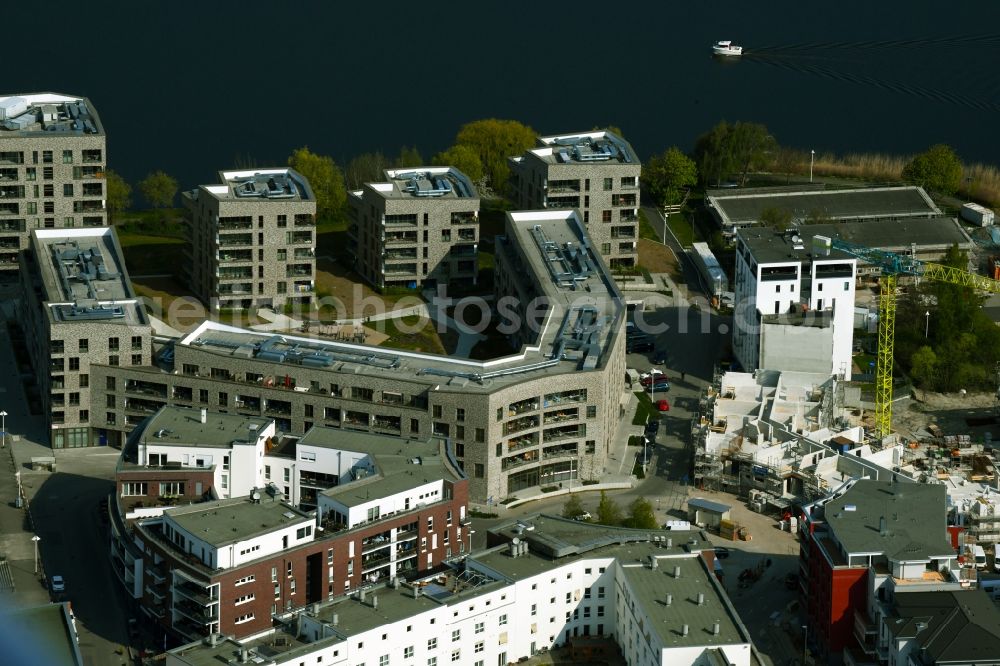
x: 543, y: 415
x: 420, y: 227
x: 596, y: 172
x: 53, y: 159
x: 252, y: 240
x: 79, y: 308
x: 549, y: 582
x: 218, y: 524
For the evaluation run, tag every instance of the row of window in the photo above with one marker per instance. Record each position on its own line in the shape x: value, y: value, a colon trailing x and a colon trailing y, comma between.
x: 59, y: 364
x: 83, y: 345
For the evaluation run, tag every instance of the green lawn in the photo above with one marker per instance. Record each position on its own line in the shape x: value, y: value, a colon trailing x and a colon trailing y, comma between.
x: 645, y: 410
x: 424, y: 340
x: 646, y: 228
x: 679, y: 224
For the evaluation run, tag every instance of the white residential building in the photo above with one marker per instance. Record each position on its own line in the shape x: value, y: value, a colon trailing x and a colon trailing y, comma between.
x: 554, y: 582
x: 794, y: 304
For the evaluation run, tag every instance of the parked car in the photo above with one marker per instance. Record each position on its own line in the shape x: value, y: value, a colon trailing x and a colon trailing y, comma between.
x: 57, y: 584
x: 662, y: 406
x: 652, y: 428
x: 583, y: 516
x: 721, y: 552
x: 647, y: 377
x: 658, y: 386
x: 660, y: 358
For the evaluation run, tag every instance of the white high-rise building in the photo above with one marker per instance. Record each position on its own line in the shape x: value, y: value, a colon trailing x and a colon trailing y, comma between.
x: 794, y: 303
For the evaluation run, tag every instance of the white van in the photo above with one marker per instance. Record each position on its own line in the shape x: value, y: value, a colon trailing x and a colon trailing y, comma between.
x: 979, y: 556
x: 677, y: 525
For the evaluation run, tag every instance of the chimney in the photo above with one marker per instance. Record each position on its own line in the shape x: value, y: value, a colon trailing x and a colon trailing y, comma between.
x: 416, y: 591
x: 395, y: 582
x: 677, y: 572
x: 375, y: 602
x: 715, y: 629
x: 361, y: 595
x: 335, y: 620
x: 204, y: 415
x: 684, y: 630
x: 245, y: 651
x: 652, y: 562
x: 881, y: 526
x: 701, y: 598
x: 670, y: 599
x: 514, y: 550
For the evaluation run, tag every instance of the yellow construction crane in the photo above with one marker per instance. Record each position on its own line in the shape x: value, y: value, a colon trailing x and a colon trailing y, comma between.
x: 893, y: 265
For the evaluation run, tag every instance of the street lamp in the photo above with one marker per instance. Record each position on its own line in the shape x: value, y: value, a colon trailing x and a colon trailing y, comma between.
x: 3, y: 429
x: 927, y: 323
x: 36, y: 539
x: 805, y: 642
x: 812, y: 159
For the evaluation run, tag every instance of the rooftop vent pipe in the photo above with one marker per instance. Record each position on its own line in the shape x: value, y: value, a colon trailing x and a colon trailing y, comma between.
x: 677, y: 572
x: 715, y: 629
x: 701, y: 598
x: 684, y: 630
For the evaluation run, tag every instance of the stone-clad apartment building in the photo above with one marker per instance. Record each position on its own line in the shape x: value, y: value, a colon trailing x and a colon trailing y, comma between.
x: 252, y: 240
x: 421, y: 227
x: 544, y: 414
x: 79, y: 309
x: 596, y: 172
x: 52, y: 165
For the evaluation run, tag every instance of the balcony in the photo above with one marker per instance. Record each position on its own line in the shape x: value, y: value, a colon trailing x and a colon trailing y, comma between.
x: 563, y: 186
x: 376, y: 542
x: 298, y: 270
x: 197, y: 614
x: 298, y: 237
x: 9, y: 175
x: 569, y: 432
x: 389, y: 423
x: 397, y: 238
x: 91, y: 156
x: 520, y: 460
x: 523, y: 406
x: 400, y: 269
x: 146, y: 388
x: 88, y: 172
x: 11, y: 191
x: 9, y: 208
x: 12, y: 226
x: 235, y: 274
x: 304, y: 220
x: 279, y: 407
x: 235, y: 256
x: 235, y: 223
x: 563, y: 202
x: 93, y: 190
x: 244, y: 289
x: 409, y: 220
x: 88, y: 206
x: 403, y: 253
x: 626, y: 200
x: 303, y: 287
x: 226, y: 240
x: 525, y: 442
x: 11, y: 158
x: 560, y: 451
x: 517, y: 425
x: 463, y: 250
x: 579, y: 395
x: 196, y: 594
x: 465, y: 218
x: 303, y: 253
x: 865, y: 631
x: 560, y: 415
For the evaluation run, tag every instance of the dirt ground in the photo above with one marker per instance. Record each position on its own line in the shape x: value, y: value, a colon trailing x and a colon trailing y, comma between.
x: 355, y: 297
x: 657, y: 258
x: 972, y: 414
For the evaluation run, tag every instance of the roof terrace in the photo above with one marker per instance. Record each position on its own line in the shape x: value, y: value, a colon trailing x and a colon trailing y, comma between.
x: 426, y: 183
x: 48, y: 113
x: 599, y: 147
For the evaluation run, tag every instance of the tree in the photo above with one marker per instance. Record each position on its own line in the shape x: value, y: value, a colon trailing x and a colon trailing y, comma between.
x: 666, y: 176
x: 640, y: 515
x: 608, y: 512
x: 409, y: 156
x: 365, y: 168
x: 573, y: 507
x: 463, y: 158
x: 730, y: 150
x: 923, y: 367
x: 495, y: 140
x: 325, y: 179
x: 119, y: 193
x: 159, y: 189
x: 776, y: 218
x: 938, y: 169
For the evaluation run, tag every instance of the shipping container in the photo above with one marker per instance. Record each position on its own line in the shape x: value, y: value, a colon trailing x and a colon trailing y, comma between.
x: 978, y: 215
x: 711, y: 271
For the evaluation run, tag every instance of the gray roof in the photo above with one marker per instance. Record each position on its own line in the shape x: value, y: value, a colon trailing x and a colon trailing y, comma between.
x: 769, y: 246
x: 274, y: 184
x: 83, y: 276
x: 400, y: 464
x: 952, y: 626
x: 931, y: 233
x: 594, y: 148
x: 73, y: 115
x: 424, y: 182
x: 227, y: 521
x: 856, y: 204
x: 914, y: 516
x: 709, y: 505
x: 180, y: 426
x: 808, y: 318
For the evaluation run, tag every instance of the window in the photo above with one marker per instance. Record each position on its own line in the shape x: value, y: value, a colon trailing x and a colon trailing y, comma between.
x: 67, y: 157
x: 136, y: 342
x: 47, y: 157
x: 30, y: 173
x: 847, y: 286
x: 274, y: 577
x: 74, y: 363
x: 246, y: 598
x: 84, y: 345
x: 246, y: 579
x: 282, y: 221
x: 282, y: 254
x: 480, y: 627
x: 113, y: 344
x: 600, y: 592
x: 110, y: 417
x: 288, y: 569
x: 84, y: 415
x: 244, y: 618
x: 608, y: 183
x: 459, y: 414
x: 456, y: 635
x: 203, y: 396
x: 503, y: 620
x: 113, y: 359
x: 74, y: 398
x: 430, y: 523
x: 591, y: 411
x: 171, y: 488
x: 134, y: 489
x: 437, y: 411
x: 432, y: 661
x: 480, y: 646
x: 267, y: 471
x: 109, y: 402
x: 432, y: 644
x: 480, y: 434
x: 136, y: 359
x: 605, y: 248
x: 456, y: 655
x: 605, y: 216
x: 67, y: 189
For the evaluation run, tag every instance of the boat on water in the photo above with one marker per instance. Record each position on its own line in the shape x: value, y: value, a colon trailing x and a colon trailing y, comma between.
x: 726, y: 48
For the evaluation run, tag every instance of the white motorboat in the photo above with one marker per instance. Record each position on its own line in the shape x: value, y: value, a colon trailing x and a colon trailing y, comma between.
x: 726, y: 48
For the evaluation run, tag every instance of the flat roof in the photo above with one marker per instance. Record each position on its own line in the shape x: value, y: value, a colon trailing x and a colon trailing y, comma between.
x: 806, y: 319
x: 770, y: 246
x: 222, y: 522
x: 180, y: 426
x: 48, y: 114
x: 913, y: 513
x: 585, y: 309
x: 83, y: 276
x: 848, y: 204
x: 400, y: 464
x: 47, y: 635
x: 896, y: 235
x: 595, y: 148
x: 708, y: 505
x: 425, y: 182
x: 266, y: 184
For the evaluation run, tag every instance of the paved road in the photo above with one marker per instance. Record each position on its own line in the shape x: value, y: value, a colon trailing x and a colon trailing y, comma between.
x: 691, y: 275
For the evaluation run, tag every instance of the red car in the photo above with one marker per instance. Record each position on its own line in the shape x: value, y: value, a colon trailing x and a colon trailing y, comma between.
x: 662, y: 406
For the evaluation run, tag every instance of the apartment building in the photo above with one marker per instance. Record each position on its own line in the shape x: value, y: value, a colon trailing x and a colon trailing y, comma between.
x: 252, y: 240
x: 548, y: 582
x: 420, y: 227
x: 53, y: 158
x: 79, y: 309
x: 867, y: 544
x: 238, y: 524
x: 542, y: 415
x: 595, y: 172
x: 794, y: 303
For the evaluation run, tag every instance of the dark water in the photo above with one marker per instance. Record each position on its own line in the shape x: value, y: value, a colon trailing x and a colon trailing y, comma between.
x: 194, y: 87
